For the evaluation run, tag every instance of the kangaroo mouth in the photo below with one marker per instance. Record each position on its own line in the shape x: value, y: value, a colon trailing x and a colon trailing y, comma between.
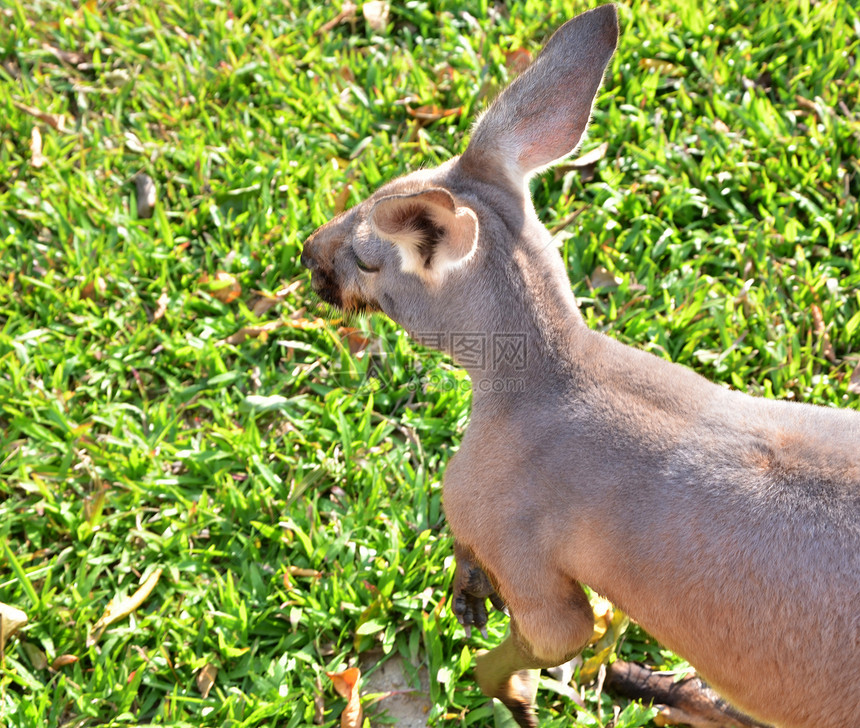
x: 326, y: 288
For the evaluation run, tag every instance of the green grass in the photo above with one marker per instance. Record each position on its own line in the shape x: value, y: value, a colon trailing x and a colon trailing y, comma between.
x: 291, y: 492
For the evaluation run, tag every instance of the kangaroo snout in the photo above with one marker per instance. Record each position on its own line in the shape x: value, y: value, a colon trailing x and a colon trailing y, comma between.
x: 320, y: 256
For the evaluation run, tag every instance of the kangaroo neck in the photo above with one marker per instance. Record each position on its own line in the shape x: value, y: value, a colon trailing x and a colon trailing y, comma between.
x: 531, y: 331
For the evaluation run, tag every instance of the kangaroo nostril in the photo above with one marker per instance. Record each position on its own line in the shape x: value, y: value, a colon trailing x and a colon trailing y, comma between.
x: 308, y: 261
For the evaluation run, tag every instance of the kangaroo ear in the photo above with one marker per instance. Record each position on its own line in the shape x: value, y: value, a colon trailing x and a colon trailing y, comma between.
x: 432, y: 233
x: 541, y: 117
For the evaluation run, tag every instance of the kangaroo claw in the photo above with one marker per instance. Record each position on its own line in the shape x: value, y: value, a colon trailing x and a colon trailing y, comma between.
x: 471, y: 589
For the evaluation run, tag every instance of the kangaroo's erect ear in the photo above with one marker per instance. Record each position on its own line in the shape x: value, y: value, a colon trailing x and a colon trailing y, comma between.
x: 432, y: 233
x: 541, y: 117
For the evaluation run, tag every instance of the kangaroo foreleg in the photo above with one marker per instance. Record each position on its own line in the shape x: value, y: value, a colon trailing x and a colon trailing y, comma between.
x: 472, y: 588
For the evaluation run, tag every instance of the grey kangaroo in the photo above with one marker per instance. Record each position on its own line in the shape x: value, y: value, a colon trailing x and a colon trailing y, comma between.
x: 727, y: 525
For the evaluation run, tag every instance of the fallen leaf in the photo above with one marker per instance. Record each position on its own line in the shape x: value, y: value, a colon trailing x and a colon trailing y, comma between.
x: 444, y: 73
x: 585, y: 164
x: 11, y: 620
x: 375, y: 14
x: 342, y: 199
x: 820, y: 331
x: 346, y: 684
x: 253, y: 332
x: 222, y: 286
x: 268, y: 301
x: 591, y: 157
x: 146, y: 195
x: 431, y: 112
x: 299, y: 571
x: 566, y: 691
x: 355, y: 339
x: 603, y: 611
x: 206, y: 678
x: 161, y: 305
x: 854, y: 382
x: 518, y: 61
x: 616, y: 623
x: 37, y: 159
x: 94, y: 288
x: 562, y: 678
x: 810, y: 106
x: 63, y: 661
x: 305, y: 324
x: 319, y: 703
x: 346, y: 14
x: 55, y: 121
x: 602, y: 278
x: 117, y: 610
x: 73, y: 58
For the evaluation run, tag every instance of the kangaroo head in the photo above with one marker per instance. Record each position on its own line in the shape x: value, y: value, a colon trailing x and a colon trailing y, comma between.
x: 459, y: 247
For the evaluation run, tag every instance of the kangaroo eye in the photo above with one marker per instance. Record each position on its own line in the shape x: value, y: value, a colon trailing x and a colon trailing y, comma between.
x: 362, y: 266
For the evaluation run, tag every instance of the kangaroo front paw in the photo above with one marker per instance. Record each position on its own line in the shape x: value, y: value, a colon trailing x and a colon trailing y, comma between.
x: 472, y: 588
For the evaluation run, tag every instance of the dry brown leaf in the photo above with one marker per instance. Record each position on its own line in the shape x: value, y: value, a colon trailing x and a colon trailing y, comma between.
x: 355, y: 339
x: 854, y: 382
x: 222, y: 286
x: 268, y: 301
x: 346, y: 14
x: 63, y: 660
x: 206, y: 678
x: 305, y: 324
x: 73, y: 58
x: 591, y: 157
x: 11, y: 620
x: 602, y: 278
x: 298, y: 571
x: 342, y: 199
x: 810, y: 105
x: 122, y: 608
x: 37, y: 159
x: 817, y: 320
x: 319, y: 703
x: 585, y: 164
x: 820, y: 331
x: 253, y: 332
x: 94, y: 289
x: 55, y: 121
x: 346, y: 684
x: 431, y: 112
x: 518, y: 61
x: 146, y: 195
x: 445, y: 73
x: 375, y: 14
x: 161, y: 305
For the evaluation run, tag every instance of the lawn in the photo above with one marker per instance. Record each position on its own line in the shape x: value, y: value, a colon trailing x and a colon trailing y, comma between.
x: 176, y: 409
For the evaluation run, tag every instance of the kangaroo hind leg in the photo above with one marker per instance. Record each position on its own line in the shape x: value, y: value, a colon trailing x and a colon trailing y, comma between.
x: 546, y: 630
